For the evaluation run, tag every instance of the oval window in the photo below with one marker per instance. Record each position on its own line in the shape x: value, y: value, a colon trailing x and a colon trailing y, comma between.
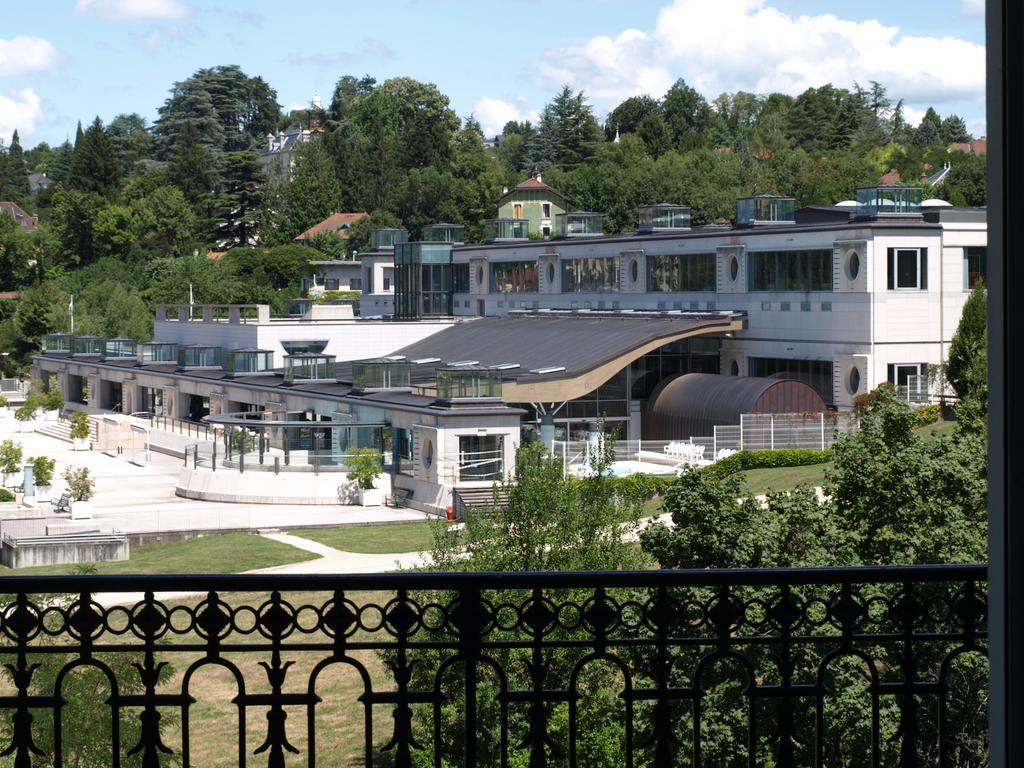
x: 428, y: 453
x: 734, y: 268
x: 854, y: 380
x: 634, y: 271
x: 551, y: 274
x: 479, y: 275
x: 853, y: 265
x: 734, y: 369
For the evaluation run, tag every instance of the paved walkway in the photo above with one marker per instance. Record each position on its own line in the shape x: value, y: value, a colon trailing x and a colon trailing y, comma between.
x: 138, y: 499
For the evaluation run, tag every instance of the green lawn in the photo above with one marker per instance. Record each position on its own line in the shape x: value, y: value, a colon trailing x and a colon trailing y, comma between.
x: 938, y: 429
x: 373, y: 539
x: 227, y: 553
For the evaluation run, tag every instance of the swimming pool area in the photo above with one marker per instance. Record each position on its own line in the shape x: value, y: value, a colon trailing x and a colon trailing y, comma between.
x: 625, y: 468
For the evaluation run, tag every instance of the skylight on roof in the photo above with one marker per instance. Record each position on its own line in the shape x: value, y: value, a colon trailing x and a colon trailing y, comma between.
x: 424, y: 360
x: 505, y: 366
x: 550, y: 369
x: 463, y: 362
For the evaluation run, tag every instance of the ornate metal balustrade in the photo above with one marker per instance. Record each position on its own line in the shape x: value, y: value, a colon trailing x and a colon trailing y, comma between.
x: 838, y: 667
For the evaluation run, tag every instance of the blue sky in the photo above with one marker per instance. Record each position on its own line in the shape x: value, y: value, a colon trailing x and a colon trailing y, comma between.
x: 67, y: 60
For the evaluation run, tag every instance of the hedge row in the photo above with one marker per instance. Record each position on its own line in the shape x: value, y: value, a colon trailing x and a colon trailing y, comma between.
x: 642, y: 486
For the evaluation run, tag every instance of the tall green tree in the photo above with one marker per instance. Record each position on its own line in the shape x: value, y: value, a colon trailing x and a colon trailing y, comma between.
x: 568, y: 134
x: 95, y: 167
x: 17, y: 170
x: 236, y: 208
x: 312, y: 194
x: 132, y: 141
x: 966, y: 371
x: 687, y: 113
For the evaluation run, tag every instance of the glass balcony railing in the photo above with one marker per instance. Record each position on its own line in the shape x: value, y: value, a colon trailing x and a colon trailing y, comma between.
x: 200, y: 356
x: 765, y: 209
x: 88, y: 345
x: 676, y: 667
x: 57, y: 342
x: 249, y: 361
x: 498, y: 230
x: 663, y: 217
x: 381, y: 374
x: 121, y: 348
x: 309, y: 367
x: 386, y: 239
x: 469, y: 383
x: 888, y: 200
x: 158, y: 352
x: 444, y: 233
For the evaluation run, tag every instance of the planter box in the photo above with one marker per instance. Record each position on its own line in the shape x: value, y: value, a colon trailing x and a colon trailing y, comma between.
x: 80, y: 443
x: 44, y: 492
x: 81, y: 510
x: 53, y: 415
x: 26, y: 426
x: 371, y: 497
x: 11, y: 479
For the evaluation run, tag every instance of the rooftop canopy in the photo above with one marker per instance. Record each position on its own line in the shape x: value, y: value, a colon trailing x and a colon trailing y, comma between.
x: 579, y: 224
x: 662, y: 217
x: 765, y: 209
x: 387, y: 238
x: 498, y: 230
x: 444, y: 233
x: 888, y: 200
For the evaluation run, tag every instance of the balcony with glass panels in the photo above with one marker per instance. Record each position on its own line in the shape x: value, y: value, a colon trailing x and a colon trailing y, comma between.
x: 468, y: 383
x: 375, y: 375
x: 888, y: 200
x: 765, y: 209
x: 309, y: 367
x: 299, y: 307
x: 121, y: 349
x: 662, y: 217
x: 57, y: 343
x: 579, y: 224
x: 249, y: 362
x: 387, y: 238
x: 500, y: 230
x: 200, y: 356
x: 88, y: 345
x: 444, y: 233
x: 158, y: 352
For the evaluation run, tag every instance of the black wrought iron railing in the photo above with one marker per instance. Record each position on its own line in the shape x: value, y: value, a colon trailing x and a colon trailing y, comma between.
x: 836, y: 667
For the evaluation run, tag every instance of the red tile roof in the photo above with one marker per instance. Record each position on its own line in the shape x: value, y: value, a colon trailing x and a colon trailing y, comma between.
x: 892, y: 177
x: 973, y: 147
x: 336, y: 223
x: 216, y: 255
x: 8, y: 294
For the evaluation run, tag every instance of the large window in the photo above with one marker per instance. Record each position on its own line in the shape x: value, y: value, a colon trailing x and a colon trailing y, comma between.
x: 816, y: 373
x: 681, y: 272
x: 908, y: 269
x: 594, y: 275
x: 514, y: 277
x: 460, y: 279
x: 790, y: 270
x: 975, y: 266
x: 481, y: 457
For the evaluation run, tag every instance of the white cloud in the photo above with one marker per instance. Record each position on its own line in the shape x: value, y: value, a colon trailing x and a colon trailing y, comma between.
x: 20, y: 110
x: 120, y: 10
x: 972, y: 7
x: 494, y: 113
x: 732, y: 45
x: 23, y: 54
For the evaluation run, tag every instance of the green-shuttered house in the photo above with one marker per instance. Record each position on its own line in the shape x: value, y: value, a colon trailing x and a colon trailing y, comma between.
x: 536, y: 202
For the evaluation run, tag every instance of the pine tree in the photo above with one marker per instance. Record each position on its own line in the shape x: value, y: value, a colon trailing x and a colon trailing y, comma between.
x: 62, y: 168
x: 17, y: 171
x: 95, y: 167
x: 190, y: 169
x: 238, y: 200
x: 968, y: 345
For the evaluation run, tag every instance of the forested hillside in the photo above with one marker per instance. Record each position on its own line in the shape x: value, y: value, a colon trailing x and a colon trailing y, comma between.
x: 134, y: 208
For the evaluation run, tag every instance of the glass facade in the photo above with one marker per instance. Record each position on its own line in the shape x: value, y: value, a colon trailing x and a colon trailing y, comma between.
x: 685, y: 356
x: 249, y: 361
x: 681, y: 272
x: 381, y: 239
x: 789, y: 270
x: 309, y: 367
x: 765, y: 209
x: 57, y: 342
x: 468, y: 382
x: 88, y: 345
x: 888, y: 199
x: 599, y: 274
x: 975, y: 266
x: 444, y: 233
x: 579, y: 224
x: 507, y: 229
x: 298, y: 347
x: 200, y: 356
x: 816, y: 373
x: 653, y: 218
x: 121, y: 348
x: 159, y: 352
x: 514, y: 277
x: 380, y: 374
x: 424, y: 279
x: 460, y: 278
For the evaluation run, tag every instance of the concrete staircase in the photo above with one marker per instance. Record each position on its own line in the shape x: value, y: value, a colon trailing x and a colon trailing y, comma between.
x: 479, y: 499
x: 61, y: 430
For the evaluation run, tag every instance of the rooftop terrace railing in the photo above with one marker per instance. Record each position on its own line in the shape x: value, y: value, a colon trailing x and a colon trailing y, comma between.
x: 672, y: 667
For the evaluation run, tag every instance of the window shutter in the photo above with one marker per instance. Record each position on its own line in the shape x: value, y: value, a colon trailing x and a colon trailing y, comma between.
x: 892, y: 268
x: 924, y: 269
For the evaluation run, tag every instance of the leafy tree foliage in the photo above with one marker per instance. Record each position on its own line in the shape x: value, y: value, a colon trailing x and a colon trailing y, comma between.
x: 95, y: 167
x: 966, y: 367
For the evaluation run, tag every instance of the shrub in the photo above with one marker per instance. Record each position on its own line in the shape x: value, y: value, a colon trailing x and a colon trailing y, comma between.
x: 364, y: 467
x: 80, y: 429
x: 10, y: 457
x: 6, y: 495
x: 927, y: 414
x: 42, y: 470
x: 3, y: 401
x: 27, y: 410
x: 53, y: 400
x: 81, y: 486
x: 744, y: 460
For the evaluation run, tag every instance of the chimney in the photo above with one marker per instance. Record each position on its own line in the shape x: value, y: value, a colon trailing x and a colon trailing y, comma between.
x: 539, y: 179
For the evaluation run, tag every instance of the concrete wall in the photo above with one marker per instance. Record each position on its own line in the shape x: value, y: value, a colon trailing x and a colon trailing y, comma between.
x: 60, y: 551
